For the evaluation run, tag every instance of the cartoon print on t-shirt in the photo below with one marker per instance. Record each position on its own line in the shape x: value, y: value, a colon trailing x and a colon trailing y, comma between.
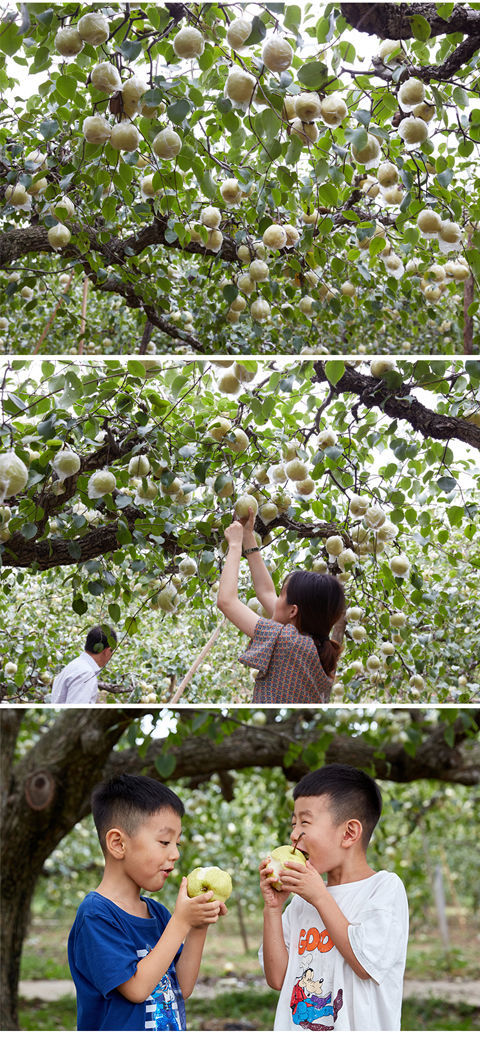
x: 308, y: 1004
x: 165, y: 1007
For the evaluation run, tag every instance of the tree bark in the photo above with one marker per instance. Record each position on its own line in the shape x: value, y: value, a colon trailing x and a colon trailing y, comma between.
x: 393, y: 21
x: 48, y: 790
x: 402, y: 405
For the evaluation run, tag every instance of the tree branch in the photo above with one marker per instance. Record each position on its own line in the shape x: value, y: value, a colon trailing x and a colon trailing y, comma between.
x: 394, y: 21
x: 402, y: 405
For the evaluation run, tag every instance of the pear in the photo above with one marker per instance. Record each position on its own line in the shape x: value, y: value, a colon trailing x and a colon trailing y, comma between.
x: 279, y: 857
x: 211, y: 878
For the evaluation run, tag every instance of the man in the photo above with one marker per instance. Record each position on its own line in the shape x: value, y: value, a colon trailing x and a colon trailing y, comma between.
x: 78, y: 682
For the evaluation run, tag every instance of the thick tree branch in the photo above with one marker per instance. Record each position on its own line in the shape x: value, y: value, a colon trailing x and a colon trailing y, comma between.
x: 401, y: 404
x: 394, y: 22
x: 55, y: 552
x: 78, y: 749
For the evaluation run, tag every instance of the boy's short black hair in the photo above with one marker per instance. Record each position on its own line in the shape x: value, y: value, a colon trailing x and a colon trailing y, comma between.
x: 351, y: 794
x: 100, y: 637
x: 127, y: 800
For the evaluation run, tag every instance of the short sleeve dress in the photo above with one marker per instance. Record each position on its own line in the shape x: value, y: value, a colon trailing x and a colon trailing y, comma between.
x: 289, y: 669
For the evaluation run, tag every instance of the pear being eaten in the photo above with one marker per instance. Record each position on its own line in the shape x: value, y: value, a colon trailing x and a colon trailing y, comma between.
x: 277, y: 860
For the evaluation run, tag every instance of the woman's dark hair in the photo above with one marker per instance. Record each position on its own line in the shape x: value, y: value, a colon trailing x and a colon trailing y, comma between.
x: 320, y: 600
x: 127, y: 800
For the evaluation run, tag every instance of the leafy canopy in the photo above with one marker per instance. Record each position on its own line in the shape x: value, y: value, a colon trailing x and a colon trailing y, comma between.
x: 391, y: 466
x: 358, y: 269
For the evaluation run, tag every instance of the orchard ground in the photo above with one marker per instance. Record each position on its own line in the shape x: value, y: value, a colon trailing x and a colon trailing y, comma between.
x: 441, y: 992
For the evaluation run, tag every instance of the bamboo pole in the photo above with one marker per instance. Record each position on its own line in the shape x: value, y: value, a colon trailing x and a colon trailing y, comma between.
x: 195, y: 665
x: 84, y: 314
x: 51, y: 319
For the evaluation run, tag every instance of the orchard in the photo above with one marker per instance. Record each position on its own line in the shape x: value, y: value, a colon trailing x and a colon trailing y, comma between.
x: 119, y: 477
x: 235, y: 775
x: 237, y: 179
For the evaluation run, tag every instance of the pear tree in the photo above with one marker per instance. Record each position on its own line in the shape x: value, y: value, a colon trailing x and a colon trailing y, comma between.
x: 235, y: 776
x: 239, y: 178
x: 130, y: 471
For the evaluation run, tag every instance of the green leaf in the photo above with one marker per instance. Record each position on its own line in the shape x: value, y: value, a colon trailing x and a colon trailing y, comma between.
x: 328, y: 194
x: 66, y: 86
x: 178, y: 111
x: 447, y: 484
x: 293, y: 17
x: 334, y: 371
x: 445, y: 10
x: 313, y: 74
x: 461, y: 98
x: 10, y: 38
x: 79, y: 605
x: 165, y: 765
x: 49, y: 128
x: 472, y: 366
x: 72, y: 390
x: 136, y: 368
x: 359, y: 138
x: 258, y: 32
x: 420, y: 27
x: 29, y: 531
x: 130, y: 49
x: 445, y: 177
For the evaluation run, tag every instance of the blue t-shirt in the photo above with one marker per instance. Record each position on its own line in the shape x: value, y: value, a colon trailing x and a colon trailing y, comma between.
x: 104, y: 947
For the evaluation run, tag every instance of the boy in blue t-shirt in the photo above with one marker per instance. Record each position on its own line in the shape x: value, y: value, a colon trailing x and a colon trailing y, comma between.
x: 132, y: 962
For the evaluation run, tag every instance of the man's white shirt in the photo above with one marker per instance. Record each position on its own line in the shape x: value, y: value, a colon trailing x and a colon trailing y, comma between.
x: 77, y: 682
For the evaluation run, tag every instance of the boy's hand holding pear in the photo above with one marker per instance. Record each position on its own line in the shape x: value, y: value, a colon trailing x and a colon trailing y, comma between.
x: 198, y: 911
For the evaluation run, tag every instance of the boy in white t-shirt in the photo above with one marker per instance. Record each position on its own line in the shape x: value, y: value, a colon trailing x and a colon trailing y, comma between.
x: 337, y: 954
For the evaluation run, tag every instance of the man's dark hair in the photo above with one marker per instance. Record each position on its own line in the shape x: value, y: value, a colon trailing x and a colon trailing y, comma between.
x: 125, y: 801
x: 100, y: 637
x: 351, y: 794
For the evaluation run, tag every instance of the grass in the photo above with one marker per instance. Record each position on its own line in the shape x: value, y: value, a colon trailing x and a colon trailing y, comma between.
x: 427, y: 958
x: 252, y: 1010
x: 247, y: 1003
x: 433, y: 1015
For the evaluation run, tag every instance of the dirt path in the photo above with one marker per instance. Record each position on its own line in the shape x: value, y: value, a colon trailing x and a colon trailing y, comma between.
x: 456, y: 991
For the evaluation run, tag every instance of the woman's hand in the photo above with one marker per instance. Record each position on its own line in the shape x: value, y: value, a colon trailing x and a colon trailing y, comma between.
x: 234, y: 533
x: 248, y: 523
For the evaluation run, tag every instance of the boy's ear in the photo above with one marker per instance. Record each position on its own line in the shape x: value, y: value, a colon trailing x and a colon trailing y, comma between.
x: 352, y: 832
x: 115, y: 843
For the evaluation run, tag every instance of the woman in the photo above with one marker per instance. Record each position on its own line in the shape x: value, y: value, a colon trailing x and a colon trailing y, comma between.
x: 292, y: 649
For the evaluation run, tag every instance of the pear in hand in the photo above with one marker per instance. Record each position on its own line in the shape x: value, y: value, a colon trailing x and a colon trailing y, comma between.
x: 211, y: 879
x: 278, y: 858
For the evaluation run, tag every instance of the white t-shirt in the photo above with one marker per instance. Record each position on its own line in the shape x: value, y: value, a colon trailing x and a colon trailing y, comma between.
x: 320, y: 991
x: 77, y: 682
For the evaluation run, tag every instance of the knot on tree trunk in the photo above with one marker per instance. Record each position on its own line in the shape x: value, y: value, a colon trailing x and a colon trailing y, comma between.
x: 40, y: 789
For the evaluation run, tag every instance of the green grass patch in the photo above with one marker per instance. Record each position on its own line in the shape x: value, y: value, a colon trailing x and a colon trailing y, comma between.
x: 251, y: 1009
x: 435, y: 1015
x: 433, y: 961
x: 53, y: 1015
x: 247, y: 1009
